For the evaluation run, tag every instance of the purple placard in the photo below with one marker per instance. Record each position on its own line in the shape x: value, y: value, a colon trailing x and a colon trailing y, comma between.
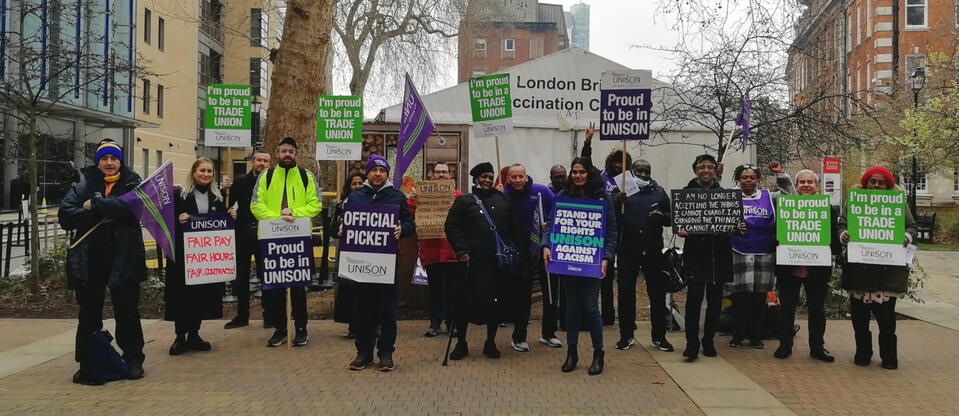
x: 576, y: 237
x: 624, y: 114
x: 286, y: 253
x: 369, y: 228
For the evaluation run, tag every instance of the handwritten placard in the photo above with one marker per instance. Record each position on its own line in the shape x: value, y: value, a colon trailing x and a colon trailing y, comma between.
x: 209, y: 249
x: 433, y: 199
x: 707, y: 211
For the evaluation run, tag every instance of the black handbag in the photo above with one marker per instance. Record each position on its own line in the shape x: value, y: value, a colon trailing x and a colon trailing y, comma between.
x: 508, y: 258
x: 673, y: 275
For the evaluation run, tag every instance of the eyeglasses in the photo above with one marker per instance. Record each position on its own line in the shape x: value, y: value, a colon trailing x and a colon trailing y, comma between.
x: 749, y: 166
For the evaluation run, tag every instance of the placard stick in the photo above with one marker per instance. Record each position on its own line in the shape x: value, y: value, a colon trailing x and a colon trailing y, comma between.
x: 728, y: 144
x: 542, y: 219
x: 289, y: 317
x: 75, y: 243
x: 497, y: 154
x: 623, y: 208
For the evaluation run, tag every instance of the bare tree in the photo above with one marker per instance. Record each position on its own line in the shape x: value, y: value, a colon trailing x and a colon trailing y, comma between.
x: 56, y: 60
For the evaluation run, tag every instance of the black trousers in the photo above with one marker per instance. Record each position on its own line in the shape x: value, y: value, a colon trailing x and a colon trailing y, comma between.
x: 816, y: 287
x: 524, y: 304
x: 375, y: 304
x: 885, y: 314
x: 275, y: 303
x: 550, y: 311
x: 245, y: 247
x: 439, y: 276
x: 713, y: 293
x: 651, y: 267
x: 183, y: 327
x: 126, y: 303
x: 748, y: 310
x: 606, y: 296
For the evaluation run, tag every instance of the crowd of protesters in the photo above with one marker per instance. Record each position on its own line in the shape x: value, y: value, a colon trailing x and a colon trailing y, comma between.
x: 466, y: 283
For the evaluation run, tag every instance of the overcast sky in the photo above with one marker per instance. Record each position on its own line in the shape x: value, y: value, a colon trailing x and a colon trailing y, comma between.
x: 617, y: 24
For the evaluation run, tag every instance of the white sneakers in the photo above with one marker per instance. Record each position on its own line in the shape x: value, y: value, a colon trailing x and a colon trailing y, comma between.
x: 552, y: 342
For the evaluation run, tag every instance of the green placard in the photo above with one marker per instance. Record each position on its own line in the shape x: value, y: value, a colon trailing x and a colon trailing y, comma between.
x: 876, y: 216
x: 228, y: 117
x: 803, y: 220
x: 339, y: 127
x: 491, y: 105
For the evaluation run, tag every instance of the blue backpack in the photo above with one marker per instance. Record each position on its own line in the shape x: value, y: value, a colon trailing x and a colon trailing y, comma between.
x: 101, y: 361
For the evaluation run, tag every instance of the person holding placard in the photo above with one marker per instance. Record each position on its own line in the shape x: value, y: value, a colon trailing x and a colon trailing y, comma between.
x: 344, y: 304
x: 107, y: 252
x: 815, y: 281
x: 874, y: 288
x: 612, y: 169
x: 286, y: 192
x: 483, y: 291
x: 376, y: 302
x: 754, y: 259
x: 641, y: 248
x: 708, y: 263
x: 534, y: 204
x: 188, y: 305
x: 439, y: 260
x: 582, y: 293
x: 246, y: 239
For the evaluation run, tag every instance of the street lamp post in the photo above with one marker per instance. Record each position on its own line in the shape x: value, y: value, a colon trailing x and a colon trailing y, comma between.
x: 255, y: 125
x: 917, y: 81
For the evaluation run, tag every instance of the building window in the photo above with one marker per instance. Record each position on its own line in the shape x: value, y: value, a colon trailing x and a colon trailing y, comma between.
x: 146, y: 96
x: 858, y: 25
x: 161, y: 32
x: 868, y: 18
x: 210, y: 69
x: 916, y: 13
x: 955, y: 181
x: 850, y: 29
x: 509, y: 44
x: 159, y: 101
x: 159, y: 158
x: 259, y: 25
x: 259, y: 76
x: 480, y: 44
x: 957, y: 13
x: 146, y: 162
x: 147, y: 18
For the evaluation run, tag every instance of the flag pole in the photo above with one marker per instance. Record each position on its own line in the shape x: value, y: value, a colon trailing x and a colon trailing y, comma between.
x: 497, y: 154
x: 289, y: 317
x: 87, y: 233
x: 623, y: 208
x: 542, y: 220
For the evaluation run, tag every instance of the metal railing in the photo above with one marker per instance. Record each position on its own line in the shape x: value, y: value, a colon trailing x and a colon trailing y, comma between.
x: 15, y: 240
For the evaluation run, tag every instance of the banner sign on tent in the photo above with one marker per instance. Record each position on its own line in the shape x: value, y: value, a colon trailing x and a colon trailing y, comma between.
x: 625, y: 101
x: 228, y: 117
x: 368, y: 245
x: 339, y: 126
x: 832, y: 178
x: 803, y: 230
x: 491, y: 105
x: 433, y: 199
x: 287, y: 253
x: 209, y: 249
x: 707, y: 211
x: 876, y: 227
x: 576, y: 237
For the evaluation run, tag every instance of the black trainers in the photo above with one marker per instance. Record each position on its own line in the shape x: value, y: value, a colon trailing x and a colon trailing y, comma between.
x: 361, y: 361
x: 490, y: 350
x: 757, y: 344
x: 460, y: 351
x: 663, y: 345
x: 301, y: 338
x: 386, y: 362
x: 736, y: 342
x: 709, y: 350
x: 822, y: 354
x: 625, y: 343
x: 433, y: 330
x: 136, y: 370
x: 277, y: 339
x: 194, y: 342
x: 784, y: 351
x: 236, y: 322
x: 691, y: 353
x: 80, y: 378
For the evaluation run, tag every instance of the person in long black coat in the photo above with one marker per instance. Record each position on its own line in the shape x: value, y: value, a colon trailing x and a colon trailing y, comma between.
x: 344, y: 303
x: 188, y: 306
x: 485, y: 295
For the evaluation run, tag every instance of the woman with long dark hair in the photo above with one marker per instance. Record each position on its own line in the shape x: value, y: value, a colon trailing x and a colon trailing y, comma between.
x: 582, y: 293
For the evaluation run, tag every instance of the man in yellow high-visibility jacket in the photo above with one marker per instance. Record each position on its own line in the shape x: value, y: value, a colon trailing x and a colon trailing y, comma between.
x: 286, y: 191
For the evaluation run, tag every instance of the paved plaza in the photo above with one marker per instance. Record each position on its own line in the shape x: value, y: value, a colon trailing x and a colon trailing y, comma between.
x: 242, y: 376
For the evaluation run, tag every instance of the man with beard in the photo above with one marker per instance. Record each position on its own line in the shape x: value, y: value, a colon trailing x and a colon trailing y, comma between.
x: 288, y: 192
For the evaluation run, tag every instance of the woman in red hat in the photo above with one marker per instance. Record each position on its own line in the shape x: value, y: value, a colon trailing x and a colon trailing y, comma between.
x: 873, y: 289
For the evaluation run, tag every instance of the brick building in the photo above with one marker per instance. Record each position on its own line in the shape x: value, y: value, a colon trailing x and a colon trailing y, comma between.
x: 866, y: 48
x: 510, y: 33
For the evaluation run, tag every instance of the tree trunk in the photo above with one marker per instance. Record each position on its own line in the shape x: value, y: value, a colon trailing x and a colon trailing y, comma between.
x: 299, y: 76
x: 34, y: 223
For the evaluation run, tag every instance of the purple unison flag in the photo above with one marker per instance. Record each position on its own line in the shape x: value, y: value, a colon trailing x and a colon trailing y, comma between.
x: 742, y: 120
x: 415, y: 127
x: 152, y: 203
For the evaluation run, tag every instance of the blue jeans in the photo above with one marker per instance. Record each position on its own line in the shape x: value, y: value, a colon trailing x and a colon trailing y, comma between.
x: 582, y: 300
x: 375, y: 304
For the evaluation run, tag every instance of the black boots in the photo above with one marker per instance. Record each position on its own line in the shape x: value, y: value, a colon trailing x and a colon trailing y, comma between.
x: 572, y: 358
x: 863, y: 348
x: 887, y: 351
x: 597, y: 366
x: 179, y: 345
